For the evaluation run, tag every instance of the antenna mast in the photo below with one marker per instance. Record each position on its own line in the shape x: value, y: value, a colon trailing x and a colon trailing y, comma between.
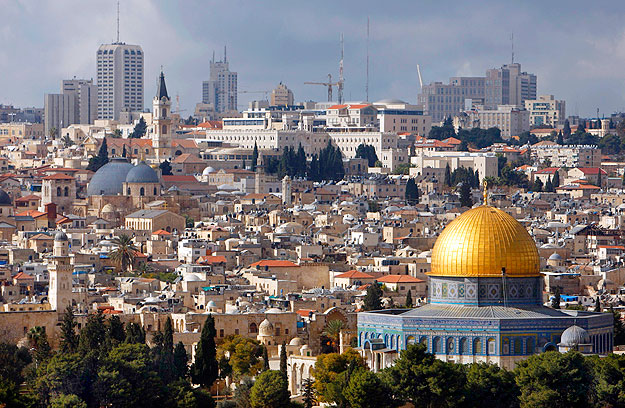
x: 367, y: 83
x: 512, y: 41
x: 117, y: 21
x: 341, y: 79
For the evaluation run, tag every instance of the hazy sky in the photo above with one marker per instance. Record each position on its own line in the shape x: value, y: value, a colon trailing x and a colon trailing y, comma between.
x: 576, y: 48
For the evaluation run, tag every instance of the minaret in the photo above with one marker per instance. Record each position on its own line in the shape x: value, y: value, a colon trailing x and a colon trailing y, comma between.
x: 161, y: 136
x: 60, y: 270
x: 286, y: 191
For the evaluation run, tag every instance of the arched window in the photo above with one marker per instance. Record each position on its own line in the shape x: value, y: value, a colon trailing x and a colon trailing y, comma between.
x: 477, y: 346
x: 410, y: 340
x: 464, y: 346
x: 491, y: 347
x: 128, y: 191
x: 66, y: 192
x: 451, y: 346
x: 518, y: 346
x: 155, y: 191
x: 164, y: 112
x: 58, y: 191
x: 529, y: 346
x: 142, y: 192
x: 253, y: 328
x: 437, y: 346
x: 164, y: 129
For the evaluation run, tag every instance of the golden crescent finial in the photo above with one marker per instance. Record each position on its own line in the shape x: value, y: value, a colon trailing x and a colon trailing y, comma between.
x: 485, y: 183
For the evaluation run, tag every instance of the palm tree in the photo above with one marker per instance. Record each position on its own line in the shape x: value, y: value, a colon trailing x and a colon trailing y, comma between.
x: 67, y: 141
x: 124, y: 253
x: 333, y: 331
x: 35, y: 335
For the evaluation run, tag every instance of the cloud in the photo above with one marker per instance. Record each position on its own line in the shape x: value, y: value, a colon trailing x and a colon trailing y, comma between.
x: 577, y: 59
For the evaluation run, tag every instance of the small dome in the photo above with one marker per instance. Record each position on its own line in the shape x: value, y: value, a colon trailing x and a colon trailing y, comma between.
x: 109, y: 179
x: 296, y: 341
x: 208, y: 170
x: 108, y: 208
x: 555, y: 257
x: 60, y: 236
x: 274, y: 310
x: 265, y: 328
x: 192, y: 278
x: 4, y: 198
x: 142, y: 173
x: 211, y: 304
x: 574, y: 336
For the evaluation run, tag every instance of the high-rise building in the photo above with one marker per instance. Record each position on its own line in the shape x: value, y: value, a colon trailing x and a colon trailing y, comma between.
x: 120, y: 79
x: 546, y: 110
x: 86, y: 97
x: 221, y: 89
x: 446, y: 100
x: 508, y: 85
x: 59, y: 111
x: 282, y: 96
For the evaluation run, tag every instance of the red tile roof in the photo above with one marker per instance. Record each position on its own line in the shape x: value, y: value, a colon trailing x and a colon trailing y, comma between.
x: 273, y: 263
x: 212, y: 259
x: 31, y: 197
x: 353, y: 274
x: 58, y: 176
x: 399, y: 279
x: 23, y: 276
x: 187, y: 143
x: 548, y: 170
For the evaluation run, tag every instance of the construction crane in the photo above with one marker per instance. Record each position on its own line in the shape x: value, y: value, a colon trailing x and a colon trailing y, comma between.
x: 420, y: 80
x: 266, y: 93
x: 329, y: 84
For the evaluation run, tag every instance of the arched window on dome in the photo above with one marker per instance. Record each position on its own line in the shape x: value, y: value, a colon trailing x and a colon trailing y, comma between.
x: 437, y: 345
x: 477, y: 346
x: 464, y: 346
x: 142, y: 192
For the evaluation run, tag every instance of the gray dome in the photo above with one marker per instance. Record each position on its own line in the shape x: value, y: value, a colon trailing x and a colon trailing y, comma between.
x: 109, y: 179
x: 60, y: 236
x: 142, y: 173
x: 555, y: 257
x: 574, y: 336
x: 4, y: 198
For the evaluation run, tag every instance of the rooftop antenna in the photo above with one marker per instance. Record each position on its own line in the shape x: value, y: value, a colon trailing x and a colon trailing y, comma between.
x: 117, y: 21
x: 341, y: 78
x: 225, y: 56
x: 512, y: 41
x: 367, y: 83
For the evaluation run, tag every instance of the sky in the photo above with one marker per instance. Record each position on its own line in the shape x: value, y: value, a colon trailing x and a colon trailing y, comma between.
x: 576, y: 48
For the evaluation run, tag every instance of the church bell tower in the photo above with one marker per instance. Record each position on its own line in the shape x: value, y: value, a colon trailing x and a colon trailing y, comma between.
x: 161, y: 135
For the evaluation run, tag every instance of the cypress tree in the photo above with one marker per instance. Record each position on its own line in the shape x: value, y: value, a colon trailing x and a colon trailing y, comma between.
x: 265, y: 359
x: 409, y: 299
x: 69, y: 338
x: 283, y: 365
x: 205, y: 369
x: 373, y: 298
x: 549, y: 186
x: 447, y: 180
x: 168, y: 336
x: 556, y: 179
x: 255, y: 157
x: 181, y: 360
x: 95, y: 162
x: 465, y: 195
x: 597, y: 305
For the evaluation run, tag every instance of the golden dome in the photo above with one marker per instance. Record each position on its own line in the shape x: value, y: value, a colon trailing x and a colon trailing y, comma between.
x: 482, y: 241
